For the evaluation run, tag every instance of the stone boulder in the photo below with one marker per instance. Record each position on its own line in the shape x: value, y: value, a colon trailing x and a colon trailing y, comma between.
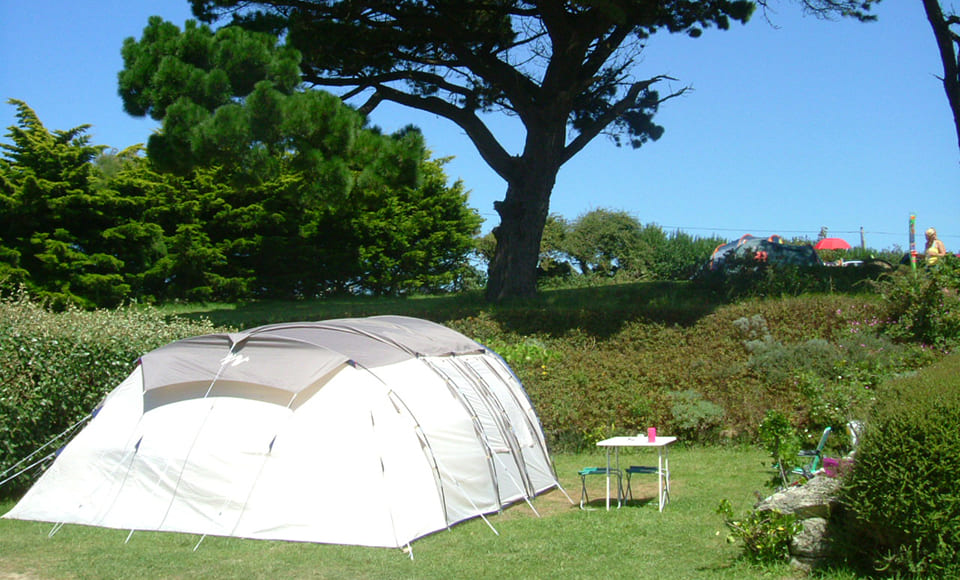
x: 812, y: 503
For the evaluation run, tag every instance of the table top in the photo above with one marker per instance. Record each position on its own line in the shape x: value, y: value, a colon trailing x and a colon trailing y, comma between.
x: 638, y: 441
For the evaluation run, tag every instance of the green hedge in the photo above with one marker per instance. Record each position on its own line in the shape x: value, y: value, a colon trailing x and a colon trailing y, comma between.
x: 55, y: 368
x: 707, y: 378
x: 903, y: 497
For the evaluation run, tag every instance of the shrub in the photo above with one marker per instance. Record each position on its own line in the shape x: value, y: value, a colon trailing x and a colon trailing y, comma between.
x: 744, y: 277
x: 55, y: 367
x: 902, y: 495
x: 587, y: 369
x: 924, y: 306
x: 779, y: 438
x: 695, y: 418
x: 766, y: 535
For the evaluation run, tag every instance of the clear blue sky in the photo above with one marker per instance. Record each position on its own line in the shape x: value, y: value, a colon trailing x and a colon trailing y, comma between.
x: 788, y: 127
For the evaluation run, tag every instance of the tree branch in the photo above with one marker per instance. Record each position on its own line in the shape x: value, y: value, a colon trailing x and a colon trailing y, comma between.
x: 618, y: 109
x: 490, y: 149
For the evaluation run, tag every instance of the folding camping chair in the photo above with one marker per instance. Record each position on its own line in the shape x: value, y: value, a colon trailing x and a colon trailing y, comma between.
x: 639, y: 469
x: 587, y: 471
x: 815, y: 457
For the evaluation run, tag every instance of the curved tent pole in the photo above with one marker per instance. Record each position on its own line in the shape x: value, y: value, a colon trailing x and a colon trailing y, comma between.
x: 518, y: 456
x: 502, y: 424
x: 435, y: 463
x: 333, y: 328
x: 425, y: 447
x: 535, y: 428
x: 533, y: 422
x: 477, y: 427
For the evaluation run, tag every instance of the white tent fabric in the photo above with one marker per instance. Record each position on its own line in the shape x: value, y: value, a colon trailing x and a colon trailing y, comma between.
x: 371, y: 432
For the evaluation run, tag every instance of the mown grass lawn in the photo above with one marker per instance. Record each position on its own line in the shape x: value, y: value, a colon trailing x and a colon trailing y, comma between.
x: 687, y: 540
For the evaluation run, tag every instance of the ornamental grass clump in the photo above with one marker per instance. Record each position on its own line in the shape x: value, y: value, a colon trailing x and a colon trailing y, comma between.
x: 902, y: 496
x: 56, y: 367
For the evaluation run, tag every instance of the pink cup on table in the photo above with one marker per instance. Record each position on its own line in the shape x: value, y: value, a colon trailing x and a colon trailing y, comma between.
x: 652, y: 435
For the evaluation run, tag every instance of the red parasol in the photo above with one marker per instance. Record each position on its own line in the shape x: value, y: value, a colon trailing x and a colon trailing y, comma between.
x: 832, y: 244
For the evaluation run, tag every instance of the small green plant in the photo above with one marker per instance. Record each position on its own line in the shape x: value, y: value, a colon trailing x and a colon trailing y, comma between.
x: 695, y: 418
x: 780, y: 439
x: 766, y: 535
x: 529, y: 351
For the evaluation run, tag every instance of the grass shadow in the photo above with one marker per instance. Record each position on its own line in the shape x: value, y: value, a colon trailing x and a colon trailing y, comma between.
x: 601, y: 311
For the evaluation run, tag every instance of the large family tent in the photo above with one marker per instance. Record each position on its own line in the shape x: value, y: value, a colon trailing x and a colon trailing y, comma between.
x: 370, y: 431
x: 771, y: 250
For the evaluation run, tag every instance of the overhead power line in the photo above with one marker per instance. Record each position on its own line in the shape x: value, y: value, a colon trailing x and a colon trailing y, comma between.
x: 800, y: 232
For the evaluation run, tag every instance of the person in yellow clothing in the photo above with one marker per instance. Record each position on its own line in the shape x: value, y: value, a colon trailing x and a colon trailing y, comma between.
x: 935, y: 247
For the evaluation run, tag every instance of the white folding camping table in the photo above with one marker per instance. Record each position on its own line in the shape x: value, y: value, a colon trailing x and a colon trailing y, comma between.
x: 662, y: 470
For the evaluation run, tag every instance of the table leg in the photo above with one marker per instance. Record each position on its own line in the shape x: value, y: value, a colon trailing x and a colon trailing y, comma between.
x: 666, y: 466
x: 608, y: 479
x: 660, y: 477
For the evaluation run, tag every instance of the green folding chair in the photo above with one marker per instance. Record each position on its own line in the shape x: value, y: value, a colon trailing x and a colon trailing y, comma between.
x: 814, y: 457
x: 588, y: 471
x: 638, y: 469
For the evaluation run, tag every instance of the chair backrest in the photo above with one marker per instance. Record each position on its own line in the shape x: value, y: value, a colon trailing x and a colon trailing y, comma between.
x: 817, y: 460
x: 823, y: 440
x: 854, y: 429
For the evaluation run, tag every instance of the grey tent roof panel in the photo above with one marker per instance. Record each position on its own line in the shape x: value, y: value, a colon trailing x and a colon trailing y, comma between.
x: 293, y: 356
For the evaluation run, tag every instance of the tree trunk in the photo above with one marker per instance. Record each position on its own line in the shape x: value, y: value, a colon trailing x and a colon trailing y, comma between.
x: 523, y: 213
x: 946, y: 44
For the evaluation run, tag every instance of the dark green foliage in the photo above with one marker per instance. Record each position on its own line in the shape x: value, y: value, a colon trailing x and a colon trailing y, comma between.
x: 359, y: 212
x: 681, y: 255
x: 55, y: 368
x: 605, y: 242
x: 603, y: 246
x: 52, y: 218
x: 319, y: 205
x: 902, y: 498
x: 196, y: 82
x: 747, y: 277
